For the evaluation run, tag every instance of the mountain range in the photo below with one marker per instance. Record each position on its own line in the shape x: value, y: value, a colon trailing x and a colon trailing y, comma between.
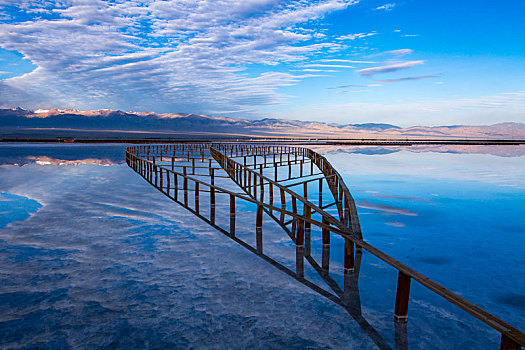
x: 17, y: 122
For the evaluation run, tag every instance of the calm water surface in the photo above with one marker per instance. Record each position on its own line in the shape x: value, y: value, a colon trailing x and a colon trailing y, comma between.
x: 93, y: 256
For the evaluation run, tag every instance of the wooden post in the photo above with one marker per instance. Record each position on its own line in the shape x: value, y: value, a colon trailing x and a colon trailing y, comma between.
x: 212, y: 205
x: 258, y: 228
x: 185, y: 186
x: 175, y: 186
x: 402, y: 296
x: 249, y: 175
x: 349, y: 256
x: 307, y: 230
x: 283, y: 204
x: 275, y: 171
x: 168, y: 182
x: 326, y: 233
x: 508, y: 344
x: 232, y: 215
x: 262, y: 190
x: 270, y: 191
x: 254, y: 185
x: 294, y: 219
x: 196, y: 197
x: 299, y: 248
x: 321, y: 193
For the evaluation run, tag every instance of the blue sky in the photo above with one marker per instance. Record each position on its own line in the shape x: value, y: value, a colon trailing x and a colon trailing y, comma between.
x: 404, y: 62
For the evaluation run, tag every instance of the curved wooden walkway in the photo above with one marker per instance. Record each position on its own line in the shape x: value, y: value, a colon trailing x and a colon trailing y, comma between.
x: 276, y: 178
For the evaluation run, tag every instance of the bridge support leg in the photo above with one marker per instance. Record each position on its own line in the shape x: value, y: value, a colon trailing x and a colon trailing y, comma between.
x: 307, y: 230
x: 197, y: 197
x: 185, y: 187
x: 258, y: 228
x: 508, y: 344
x: 212, y: 205
x: 232, y: 215
x: 175, y: 186
x: 402, y: 296
x: 299, y: 249
x: 349, y: 256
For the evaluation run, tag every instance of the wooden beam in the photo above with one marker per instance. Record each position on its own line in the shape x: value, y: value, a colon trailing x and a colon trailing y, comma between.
x: 402, y: 296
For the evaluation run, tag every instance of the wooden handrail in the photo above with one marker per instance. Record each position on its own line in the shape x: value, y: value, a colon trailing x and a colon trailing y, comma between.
x: 512, y: 338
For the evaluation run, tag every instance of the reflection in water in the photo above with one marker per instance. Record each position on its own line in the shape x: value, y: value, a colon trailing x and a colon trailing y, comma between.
x: 102, y: 265
x: 57, y: 154
x: 15, y: 208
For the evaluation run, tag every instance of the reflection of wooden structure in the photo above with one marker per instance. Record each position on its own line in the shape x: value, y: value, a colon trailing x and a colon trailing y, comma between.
x: 266, y: 174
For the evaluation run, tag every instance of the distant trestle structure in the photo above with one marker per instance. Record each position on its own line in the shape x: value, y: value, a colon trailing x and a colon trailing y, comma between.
x: 276, y: 179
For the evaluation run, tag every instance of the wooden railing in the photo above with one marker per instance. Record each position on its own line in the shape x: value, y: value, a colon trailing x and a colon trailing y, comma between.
x: 148, y: 162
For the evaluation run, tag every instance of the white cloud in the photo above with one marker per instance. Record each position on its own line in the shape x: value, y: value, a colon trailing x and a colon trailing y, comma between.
x: 399, y: 52
x: 386, y: 7
x: 356, y: 36
x: 176, y: 55
x: 388, y: 68
x: 329, y: 65
x: 345, y: 61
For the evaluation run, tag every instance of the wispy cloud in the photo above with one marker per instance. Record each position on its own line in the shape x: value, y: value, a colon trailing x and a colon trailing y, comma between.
x: 354, y: 85
x: 388, y: 68
x: 328, y: 65
x: 399, y: 52
x: 356, y: 36
x: 423, y: 77
x: 345, y: 61
x: 386, y: 7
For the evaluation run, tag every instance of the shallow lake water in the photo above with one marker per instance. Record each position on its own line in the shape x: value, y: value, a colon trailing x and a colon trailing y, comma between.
x: 91, y: 255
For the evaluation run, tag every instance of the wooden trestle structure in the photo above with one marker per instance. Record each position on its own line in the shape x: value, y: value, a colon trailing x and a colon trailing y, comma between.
x: 264, y: 174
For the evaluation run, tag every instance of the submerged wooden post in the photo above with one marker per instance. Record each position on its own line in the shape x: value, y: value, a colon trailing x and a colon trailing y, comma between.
x: 326, y: 233
x: 185, y: 186
x: 320, y: 193
x: 232, y: 215
x: 349, y: 256
x: 283, y: 204
x: 270, y: 191
x: 508, y: 344
x: 299, y: 249
x: 156, y: 175
x: 258, y: 228
x: 168, y: 182
x: 175, y: 186
x: 294, y: 219
x: 402, y: 296
x: 307, y: 230
x: 212, y: 205
x: 196, y: 197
